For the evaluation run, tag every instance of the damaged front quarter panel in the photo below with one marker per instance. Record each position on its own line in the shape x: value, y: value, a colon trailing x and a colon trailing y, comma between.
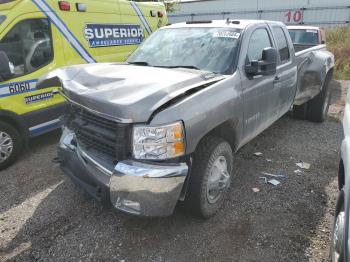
x: 200, y: 108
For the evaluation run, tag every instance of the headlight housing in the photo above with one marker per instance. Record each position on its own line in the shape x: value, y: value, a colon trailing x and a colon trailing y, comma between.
x: 159, y: 142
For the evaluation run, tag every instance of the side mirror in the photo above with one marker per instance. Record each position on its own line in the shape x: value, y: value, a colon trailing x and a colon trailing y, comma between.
x: 266, y: 66
x: 269, y: 58
x: 6, y: 67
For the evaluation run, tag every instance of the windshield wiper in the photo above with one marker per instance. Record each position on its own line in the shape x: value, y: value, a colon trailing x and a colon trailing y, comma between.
x: 182, y: 66
x: 142, y: 63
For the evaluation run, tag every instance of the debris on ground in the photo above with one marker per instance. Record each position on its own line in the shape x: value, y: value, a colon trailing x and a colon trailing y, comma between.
x: 274, y: 182
x: 264, y: 178
x: 298, y: 172
x: 258, y: 154
x: 255, y: 189
x: 279, y: 174
x: 268, y: 160
x: 303, y: 165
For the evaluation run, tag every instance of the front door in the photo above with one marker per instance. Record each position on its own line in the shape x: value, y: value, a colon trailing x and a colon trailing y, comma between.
x: 258, y: 91
x: 28, y: 43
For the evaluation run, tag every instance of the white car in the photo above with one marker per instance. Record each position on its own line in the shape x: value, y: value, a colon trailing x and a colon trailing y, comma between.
x: 340, y: 249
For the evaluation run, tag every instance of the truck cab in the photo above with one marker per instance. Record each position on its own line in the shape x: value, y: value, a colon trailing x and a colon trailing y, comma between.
x: 37, y: 36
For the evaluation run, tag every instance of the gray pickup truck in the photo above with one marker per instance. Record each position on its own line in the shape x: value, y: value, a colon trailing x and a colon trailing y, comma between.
x: 162, y: 128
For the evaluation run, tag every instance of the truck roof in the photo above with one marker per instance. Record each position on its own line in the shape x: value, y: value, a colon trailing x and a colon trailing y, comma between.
x: 233, y: 23
x: 303, y: 27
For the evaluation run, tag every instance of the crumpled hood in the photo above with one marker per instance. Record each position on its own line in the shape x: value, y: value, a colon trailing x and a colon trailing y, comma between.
x: 128, y: 92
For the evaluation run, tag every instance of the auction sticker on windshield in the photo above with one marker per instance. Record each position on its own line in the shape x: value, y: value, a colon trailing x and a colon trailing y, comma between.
x: 227, y: 34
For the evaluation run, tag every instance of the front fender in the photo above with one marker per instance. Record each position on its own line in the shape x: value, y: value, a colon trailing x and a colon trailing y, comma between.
x: 207, y: 109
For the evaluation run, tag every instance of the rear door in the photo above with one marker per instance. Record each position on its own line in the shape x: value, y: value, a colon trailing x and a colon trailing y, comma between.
x: 286, y: 75
x: 258, y: 91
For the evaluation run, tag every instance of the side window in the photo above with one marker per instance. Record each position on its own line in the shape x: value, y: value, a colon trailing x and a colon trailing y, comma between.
x: 28, y: 45
x: 282, y: 43
x: 258, y: 41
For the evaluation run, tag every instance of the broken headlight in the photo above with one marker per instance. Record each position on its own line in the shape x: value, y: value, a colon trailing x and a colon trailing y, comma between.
x: 159, y: 142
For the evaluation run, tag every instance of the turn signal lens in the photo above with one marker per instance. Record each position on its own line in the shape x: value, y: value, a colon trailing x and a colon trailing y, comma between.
x: 179, y: 148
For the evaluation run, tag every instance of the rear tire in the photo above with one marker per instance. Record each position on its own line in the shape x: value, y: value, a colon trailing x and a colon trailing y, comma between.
x: 317, y: 108
x: 299, y: 112
x: 210, y: 177
x: 10, y: 145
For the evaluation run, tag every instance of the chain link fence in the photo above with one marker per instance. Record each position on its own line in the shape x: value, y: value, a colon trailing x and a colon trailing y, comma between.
x: 321, y: 16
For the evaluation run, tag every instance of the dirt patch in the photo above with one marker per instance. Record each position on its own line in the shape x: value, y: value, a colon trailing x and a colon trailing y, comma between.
x: 44, y: 217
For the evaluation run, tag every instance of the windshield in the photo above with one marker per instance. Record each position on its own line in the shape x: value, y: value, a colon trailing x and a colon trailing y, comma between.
x: 304, y: 37
x: 209, y: 49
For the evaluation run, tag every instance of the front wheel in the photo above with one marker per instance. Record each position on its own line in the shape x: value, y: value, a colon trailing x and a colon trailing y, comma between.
x: 210, y: 177
x: 10, y: 145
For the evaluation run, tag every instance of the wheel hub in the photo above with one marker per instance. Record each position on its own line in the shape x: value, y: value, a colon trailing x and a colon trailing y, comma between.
x: 218, y: 180
x: 6, y: 146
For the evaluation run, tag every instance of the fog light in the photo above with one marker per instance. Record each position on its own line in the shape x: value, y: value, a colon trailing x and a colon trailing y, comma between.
x: 128, y: 206
x: 67, y: 139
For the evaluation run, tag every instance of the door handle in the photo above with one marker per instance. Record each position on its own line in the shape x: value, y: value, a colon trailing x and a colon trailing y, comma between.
x: 277, y: 78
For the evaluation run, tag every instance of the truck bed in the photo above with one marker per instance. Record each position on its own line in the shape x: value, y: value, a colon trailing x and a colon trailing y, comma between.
x: 300, y: 47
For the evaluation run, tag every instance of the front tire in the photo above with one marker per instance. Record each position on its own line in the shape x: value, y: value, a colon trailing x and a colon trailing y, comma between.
x: 210, y: 177
x: 10, y: 145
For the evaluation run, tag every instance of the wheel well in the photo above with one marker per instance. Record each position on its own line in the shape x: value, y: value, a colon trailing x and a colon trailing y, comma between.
x: 226, y: 131
x: 16, y: 124
x: 329, y: 75
x: 341, y: 175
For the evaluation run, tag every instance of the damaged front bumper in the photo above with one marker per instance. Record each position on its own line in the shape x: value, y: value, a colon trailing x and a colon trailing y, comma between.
x: 131, y: 186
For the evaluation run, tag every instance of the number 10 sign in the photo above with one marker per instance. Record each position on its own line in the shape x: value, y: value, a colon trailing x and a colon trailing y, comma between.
x: 293, y: 16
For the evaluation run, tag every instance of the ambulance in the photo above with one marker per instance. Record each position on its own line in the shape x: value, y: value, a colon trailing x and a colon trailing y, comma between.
x: 37, y: 36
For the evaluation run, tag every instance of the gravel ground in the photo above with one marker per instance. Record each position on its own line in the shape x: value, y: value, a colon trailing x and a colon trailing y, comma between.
x: 43, y: 216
